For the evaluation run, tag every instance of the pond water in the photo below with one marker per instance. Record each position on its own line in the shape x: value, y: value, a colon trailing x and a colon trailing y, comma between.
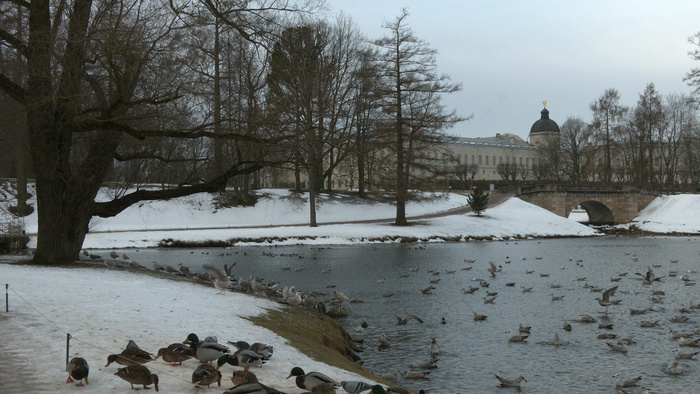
x: 473, y: 351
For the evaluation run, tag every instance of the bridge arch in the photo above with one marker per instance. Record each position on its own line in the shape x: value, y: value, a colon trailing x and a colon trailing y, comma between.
x: 598, y: 213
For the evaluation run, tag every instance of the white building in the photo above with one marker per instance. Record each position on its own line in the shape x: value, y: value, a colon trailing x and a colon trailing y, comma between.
x: 489, y: 152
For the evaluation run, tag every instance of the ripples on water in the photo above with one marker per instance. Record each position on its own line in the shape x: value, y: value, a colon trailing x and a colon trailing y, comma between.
x: 471, y: 352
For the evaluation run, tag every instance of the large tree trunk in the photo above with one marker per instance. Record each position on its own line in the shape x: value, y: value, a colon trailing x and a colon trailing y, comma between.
x: 64, y: 220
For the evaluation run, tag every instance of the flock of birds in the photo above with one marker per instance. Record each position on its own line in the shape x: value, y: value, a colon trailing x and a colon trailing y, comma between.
x: 223, y: 280
x: 212, y: 356
x: 209, y: 350
x: 685, y: 340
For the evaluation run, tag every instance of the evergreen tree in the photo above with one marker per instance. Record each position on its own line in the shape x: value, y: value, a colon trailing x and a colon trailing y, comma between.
x: 478, y: 200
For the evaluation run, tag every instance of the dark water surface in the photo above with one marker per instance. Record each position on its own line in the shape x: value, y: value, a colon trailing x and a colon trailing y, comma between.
x: 471, y: 351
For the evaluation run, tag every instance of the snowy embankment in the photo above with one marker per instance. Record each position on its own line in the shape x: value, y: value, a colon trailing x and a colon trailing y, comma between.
x: 279, y: 218
x: 670, y: 214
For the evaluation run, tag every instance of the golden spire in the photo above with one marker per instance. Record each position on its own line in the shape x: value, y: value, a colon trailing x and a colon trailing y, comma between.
x: 544, y: 103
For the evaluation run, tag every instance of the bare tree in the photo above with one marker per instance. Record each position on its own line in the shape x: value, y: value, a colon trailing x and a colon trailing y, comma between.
x: 648, y: 121
x: 608, y: 113
x: 99, y: 78
x: 417, y: 117
x: 682, y: 118
x: 508, y: 171
x: 367, y: 112
x: 575, y: 138
x: 311, y: 80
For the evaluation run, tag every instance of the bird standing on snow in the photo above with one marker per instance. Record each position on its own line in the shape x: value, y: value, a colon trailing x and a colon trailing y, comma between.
x: 130, y: 356
x: 206, y: 351
x: 219, y: 277
x: 175, y: 353
x: 205, y: 375
x: 138, y: 374
x: 355, y: 386
x: 78, y: 369
x: 308, y: 381
x: 245, y: 358
x: 252, y: 388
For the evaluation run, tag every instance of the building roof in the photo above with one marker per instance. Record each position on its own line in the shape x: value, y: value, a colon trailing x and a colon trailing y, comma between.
x: 505, y: 140
x: 544, y: 124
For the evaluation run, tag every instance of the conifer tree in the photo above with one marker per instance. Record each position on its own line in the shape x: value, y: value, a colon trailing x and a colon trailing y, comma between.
x: 478, y: 200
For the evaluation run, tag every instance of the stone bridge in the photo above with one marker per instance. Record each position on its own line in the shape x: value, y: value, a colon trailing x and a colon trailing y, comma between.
x: 603, y: 205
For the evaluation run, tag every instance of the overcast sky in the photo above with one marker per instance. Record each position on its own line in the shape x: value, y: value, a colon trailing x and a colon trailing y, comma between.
x: 509, y: 56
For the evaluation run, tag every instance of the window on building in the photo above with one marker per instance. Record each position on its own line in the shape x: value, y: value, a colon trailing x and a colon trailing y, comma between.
x: 500, y: 159
x: 479, y: 159
x: 494, y: 160
x: 473, y: 161
x: 487, y: 160
x: 521, y: 161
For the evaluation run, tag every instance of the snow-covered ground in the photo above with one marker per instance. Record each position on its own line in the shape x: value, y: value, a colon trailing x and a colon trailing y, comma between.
x: 103, y: 309
x: 671, y: 214
x: 281, y: 215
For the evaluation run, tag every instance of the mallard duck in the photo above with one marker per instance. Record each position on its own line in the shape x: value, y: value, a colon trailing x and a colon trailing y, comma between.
x: 206, y: 374
x: 242, y: 358
x: 130, y: 356
x: 175, y: 353
x: 138, y: 374
x: 308, y: 381
x: 77, y: 369
x: 206, y: 351
x: 252, y: 388
x: 260, y: 348
x: 240, y: 377
x: 377, y: 389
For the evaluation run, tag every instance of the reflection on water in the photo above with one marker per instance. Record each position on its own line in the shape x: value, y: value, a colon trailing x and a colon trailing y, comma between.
x: 472, y: 351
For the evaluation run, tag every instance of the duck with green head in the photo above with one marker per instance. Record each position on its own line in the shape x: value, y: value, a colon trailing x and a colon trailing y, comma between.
x: 78, y: 369
x: 242, y: 358
x: 206, y: 351
x: 308, y: 381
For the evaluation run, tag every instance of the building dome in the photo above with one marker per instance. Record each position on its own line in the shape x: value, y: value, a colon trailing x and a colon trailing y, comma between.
x: 544, y: 124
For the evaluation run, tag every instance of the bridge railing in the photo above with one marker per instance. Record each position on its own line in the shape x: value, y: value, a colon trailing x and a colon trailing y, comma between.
x: 580, y: 188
